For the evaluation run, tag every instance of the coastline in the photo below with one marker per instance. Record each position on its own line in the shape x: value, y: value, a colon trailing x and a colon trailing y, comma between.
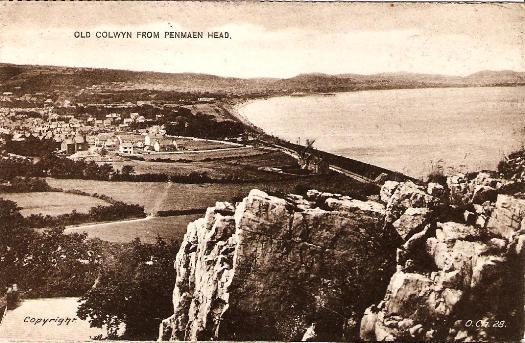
x: 358, y: 170
x: 232, y: 105
x: 236, y: 106
x: 232, y: 109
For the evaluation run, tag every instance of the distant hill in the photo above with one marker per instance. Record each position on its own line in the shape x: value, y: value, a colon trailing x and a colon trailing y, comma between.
x: 30, y: 78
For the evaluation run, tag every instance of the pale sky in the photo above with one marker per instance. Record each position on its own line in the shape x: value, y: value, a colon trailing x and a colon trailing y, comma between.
x: 270, y: 39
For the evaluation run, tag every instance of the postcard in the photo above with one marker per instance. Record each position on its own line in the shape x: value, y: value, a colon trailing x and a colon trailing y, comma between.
x: 262, y: 171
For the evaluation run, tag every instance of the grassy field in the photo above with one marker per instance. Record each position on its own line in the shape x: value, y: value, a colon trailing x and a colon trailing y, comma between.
x: 245, y: 167
x: 163, y: 196
x: 199, y: 144
x: 146, y: 229
x: 52, y: 203
x: 226, y: 152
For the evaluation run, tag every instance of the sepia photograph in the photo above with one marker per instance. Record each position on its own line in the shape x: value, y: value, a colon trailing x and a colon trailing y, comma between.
x: 262, y: 171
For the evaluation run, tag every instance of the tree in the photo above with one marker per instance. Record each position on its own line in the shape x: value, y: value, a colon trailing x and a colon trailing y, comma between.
x: 47, y: 264
x: 15, y: 242
x: 135, y: 290
x: 127, y: 170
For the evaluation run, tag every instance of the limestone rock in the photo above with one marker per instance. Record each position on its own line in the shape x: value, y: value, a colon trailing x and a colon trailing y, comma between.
x: 368, y: 324
x: 459, y: 188
x: 436, y: 190
x: 412, y: 221
x: 476, y: 189
x: 344, y: 204
x: 309, y: 335
x: 406, y: 290
x: 406, y: 195
x: 451, y: 231
x: 264, y: 269
x: 387, y: 190
x: 469, y: 270
x: 290, y: 268
x: 483, y: 193
x: 506, y: 217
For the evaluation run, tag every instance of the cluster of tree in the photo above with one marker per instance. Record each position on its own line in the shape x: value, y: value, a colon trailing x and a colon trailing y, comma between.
x: 513, y: 165
x: 44, y: 264
x: 202, y: 125
x: 116, y: 211
x: 54, y: 166
x: 127, y: 283
x: 24, y: 185
x: 32, y: 146
x: 64, y: 168
x: 134, y: 290
x: 437, y: 173
x: 194, y: 177
x: 122, y: 96
x: 12, y: 167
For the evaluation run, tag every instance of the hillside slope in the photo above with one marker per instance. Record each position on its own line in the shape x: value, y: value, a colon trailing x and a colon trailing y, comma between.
x: 49, y: 78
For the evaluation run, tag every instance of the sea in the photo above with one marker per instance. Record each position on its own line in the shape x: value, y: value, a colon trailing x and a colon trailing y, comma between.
x: 413, y: 131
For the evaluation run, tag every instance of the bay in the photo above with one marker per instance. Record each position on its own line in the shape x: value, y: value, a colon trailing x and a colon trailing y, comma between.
x: 406, y: 130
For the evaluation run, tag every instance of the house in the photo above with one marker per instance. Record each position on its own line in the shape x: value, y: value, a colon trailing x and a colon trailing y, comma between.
x: 73, y: 145
x: 159, y: 142
x: 68, y: 146
x: 156, y: 146
x: 105, y: 140
x: 125, y: 148
x: 81, y: 143
x: 113, y: 115
x: 127, y: 142
x: 149, y: 139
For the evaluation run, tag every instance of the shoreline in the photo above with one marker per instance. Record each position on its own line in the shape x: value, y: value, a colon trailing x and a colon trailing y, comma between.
x: 358, y: 170
x: 236, y: 108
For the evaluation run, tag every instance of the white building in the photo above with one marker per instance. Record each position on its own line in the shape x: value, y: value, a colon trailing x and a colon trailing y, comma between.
x: 126, y: 148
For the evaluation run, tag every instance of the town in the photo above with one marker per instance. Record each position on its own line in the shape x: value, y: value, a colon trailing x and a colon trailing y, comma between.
x: 102, y: 131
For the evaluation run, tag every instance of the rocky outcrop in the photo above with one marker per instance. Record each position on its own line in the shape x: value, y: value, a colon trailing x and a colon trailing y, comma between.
x: 281, y: 268
x: 475, y: 188
x: 455, y: 280
x: 512, y: 167
x: 425, y: 263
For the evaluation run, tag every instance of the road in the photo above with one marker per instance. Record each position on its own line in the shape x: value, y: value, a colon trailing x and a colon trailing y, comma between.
x: 339, y: 170
x: 351, y: 174
x: 72, y: 228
